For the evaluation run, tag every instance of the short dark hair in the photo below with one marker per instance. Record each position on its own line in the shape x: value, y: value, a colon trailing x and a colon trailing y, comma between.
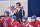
x: 18, y: 3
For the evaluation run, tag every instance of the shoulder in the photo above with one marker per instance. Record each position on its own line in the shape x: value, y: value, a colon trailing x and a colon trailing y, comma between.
x: 20, y: 9
x: 3, y: 19
x: 16, y: 22
x: 37, y: 21
x: 9, y: 17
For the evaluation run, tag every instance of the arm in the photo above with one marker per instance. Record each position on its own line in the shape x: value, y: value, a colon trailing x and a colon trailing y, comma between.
x: 23, y: 13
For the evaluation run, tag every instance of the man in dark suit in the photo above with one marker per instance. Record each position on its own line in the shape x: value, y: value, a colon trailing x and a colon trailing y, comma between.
x: 19, y: 12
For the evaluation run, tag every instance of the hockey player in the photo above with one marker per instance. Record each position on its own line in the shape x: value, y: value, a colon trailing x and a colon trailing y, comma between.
x: 6, y: 19
x: 34, y: 22
x: 14, y: 22
x: 24, y: 22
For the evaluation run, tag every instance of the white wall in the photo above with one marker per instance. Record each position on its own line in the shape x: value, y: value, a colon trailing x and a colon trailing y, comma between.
x: 4, y: 6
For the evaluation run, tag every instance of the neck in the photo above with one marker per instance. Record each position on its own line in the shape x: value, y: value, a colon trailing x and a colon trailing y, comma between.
x: 34, y: 21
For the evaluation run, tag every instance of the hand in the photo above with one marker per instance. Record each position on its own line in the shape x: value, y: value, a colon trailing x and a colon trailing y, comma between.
x: 15, y: 11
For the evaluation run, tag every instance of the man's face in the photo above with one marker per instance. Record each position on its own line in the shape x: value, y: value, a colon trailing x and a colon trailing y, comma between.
x: 17, y: 6
x: 5, y: 14
x: 12, y: 20
x: 33, y: 20
x: 24, y: 20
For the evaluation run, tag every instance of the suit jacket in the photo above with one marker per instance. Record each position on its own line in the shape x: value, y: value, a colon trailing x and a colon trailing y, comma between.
x: 19, y: 14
